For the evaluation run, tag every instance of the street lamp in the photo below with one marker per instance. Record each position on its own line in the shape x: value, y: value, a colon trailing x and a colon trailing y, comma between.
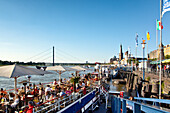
x: 143, y: 46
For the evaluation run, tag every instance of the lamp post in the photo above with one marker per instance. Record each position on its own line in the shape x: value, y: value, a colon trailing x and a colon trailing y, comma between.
x: 143, y: 46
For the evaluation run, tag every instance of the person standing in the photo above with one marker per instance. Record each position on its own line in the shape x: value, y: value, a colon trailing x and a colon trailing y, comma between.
x: 168, y: 69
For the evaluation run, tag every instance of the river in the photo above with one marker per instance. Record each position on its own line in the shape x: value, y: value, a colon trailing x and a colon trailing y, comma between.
x: 8, y: 83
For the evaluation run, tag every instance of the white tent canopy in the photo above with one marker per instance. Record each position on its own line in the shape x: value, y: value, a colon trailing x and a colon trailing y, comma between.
x: 12, y: 71
x: 59, y: 69
x: 15, y: 71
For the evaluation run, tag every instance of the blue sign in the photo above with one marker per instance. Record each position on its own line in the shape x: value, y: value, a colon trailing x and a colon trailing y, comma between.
x: 166, y: 6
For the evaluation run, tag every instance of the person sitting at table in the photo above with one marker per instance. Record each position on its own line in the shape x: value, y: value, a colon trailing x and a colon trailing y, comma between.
x: 55, y: 82
x: 64, y: 81
x: 28, y: 90
x: 88, y: 83
x: 31, y: 106
x: 21, y: 91
x: 96, y: 78
x: 31, y: 87
x: 3, y: 98
x: 81, y: 84
x: 62, y: 93
x: 22, y: 96
x: 41, y: 93
x: 60, y: 81
x: 16, y: 101
x: 68, y: 91
x: 3, y: 91
x: 71, y: 88
x: 36, y: 100
x: 52, y: 96
x: 78, y: 87
x: 3, y: 101
x: 35, y: 91
x: 59, y: 88
x: 40, y: 85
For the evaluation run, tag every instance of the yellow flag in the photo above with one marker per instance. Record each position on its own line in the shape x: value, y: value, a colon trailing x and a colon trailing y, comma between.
x: 148, y: 36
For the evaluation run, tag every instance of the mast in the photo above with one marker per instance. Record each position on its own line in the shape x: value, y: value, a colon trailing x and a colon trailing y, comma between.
x: 53, y: 55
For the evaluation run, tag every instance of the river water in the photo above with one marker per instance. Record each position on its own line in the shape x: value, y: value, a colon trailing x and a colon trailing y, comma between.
x: 8, y: 83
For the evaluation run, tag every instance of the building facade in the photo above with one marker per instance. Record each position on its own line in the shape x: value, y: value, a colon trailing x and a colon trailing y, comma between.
x: 156, y: 53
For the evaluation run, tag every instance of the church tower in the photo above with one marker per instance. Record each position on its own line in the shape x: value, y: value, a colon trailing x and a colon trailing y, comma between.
x: 120, y: 53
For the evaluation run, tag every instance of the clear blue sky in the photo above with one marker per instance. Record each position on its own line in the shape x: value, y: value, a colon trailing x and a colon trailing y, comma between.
x: 80, y: 30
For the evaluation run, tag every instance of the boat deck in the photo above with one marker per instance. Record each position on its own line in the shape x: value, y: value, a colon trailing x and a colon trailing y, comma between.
x: 101, y: 109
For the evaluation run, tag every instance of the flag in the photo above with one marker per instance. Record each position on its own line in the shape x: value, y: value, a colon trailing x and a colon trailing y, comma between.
x: 159, y: 25
x: 143, y: 41
x: 148, y: 36
x: 136, y: 40
x: 166, y: 6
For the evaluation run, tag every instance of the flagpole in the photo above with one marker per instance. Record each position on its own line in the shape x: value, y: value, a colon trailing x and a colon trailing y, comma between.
x: 160, y: 50
x: 136, y: 53
x: 157, y: 46
x: 136, y: 59
x: 147, y: 56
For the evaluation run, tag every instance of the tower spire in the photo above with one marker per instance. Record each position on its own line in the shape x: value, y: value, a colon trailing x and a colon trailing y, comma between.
x: 120, y: 53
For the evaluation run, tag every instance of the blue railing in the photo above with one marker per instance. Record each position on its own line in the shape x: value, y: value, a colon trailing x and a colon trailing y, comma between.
x: 155, y: 101
x: 120, y: 105
x: 79, y: 104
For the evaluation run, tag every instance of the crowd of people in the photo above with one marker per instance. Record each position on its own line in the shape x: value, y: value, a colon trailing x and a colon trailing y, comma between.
x: 35, y: 95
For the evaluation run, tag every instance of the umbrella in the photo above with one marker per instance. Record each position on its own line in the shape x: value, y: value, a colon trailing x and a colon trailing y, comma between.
x: 15, y: 71
x: 78, y: 68
x: 59, y: 69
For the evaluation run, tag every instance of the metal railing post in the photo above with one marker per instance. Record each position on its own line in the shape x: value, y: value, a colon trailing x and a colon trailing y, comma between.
x: 106, y: 99
x: 137, y: 108
x: 112, y: 104
x: 118, y: 105
x: 124, y: 106
x: 59, y: 104
x: 115, y: 105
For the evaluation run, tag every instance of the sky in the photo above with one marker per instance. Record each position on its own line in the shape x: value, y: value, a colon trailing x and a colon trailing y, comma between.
x: 80, y: 30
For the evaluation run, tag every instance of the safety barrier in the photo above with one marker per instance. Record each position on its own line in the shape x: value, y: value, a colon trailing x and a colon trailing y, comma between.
x: 58, y: 103
x: 120, y: 105
x: 81, y: 104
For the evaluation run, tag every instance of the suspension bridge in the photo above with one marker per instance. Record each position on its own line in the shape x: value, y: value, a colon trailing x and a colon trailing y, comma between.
x: 56, y: 56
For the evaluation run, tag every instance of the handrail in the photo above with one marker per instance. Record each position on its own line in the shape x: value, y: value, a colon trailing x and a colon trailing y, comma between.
x: 71, y: 97
x: 56, y: 104
x: 153, y: 100
x: 134, y: 106
x: 75, y: 102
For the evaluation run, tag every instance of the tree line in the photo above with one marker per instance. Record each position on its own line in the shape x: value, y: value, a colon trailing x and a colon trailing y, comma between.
x: 21, y: 63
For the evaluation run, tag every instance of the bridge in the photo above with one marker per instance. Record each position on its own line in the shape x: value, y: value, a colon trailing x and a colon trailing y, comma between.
x: 56, y: 56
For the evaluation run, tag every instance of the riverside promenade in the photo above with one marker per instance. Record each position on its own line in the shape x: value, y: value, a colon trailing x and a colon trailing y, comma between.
x: 154, y: 77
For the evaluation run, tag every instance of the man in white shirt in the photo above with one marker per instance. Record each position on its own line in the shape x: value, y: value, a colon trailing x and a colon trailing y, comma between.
x: 47, y: 92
